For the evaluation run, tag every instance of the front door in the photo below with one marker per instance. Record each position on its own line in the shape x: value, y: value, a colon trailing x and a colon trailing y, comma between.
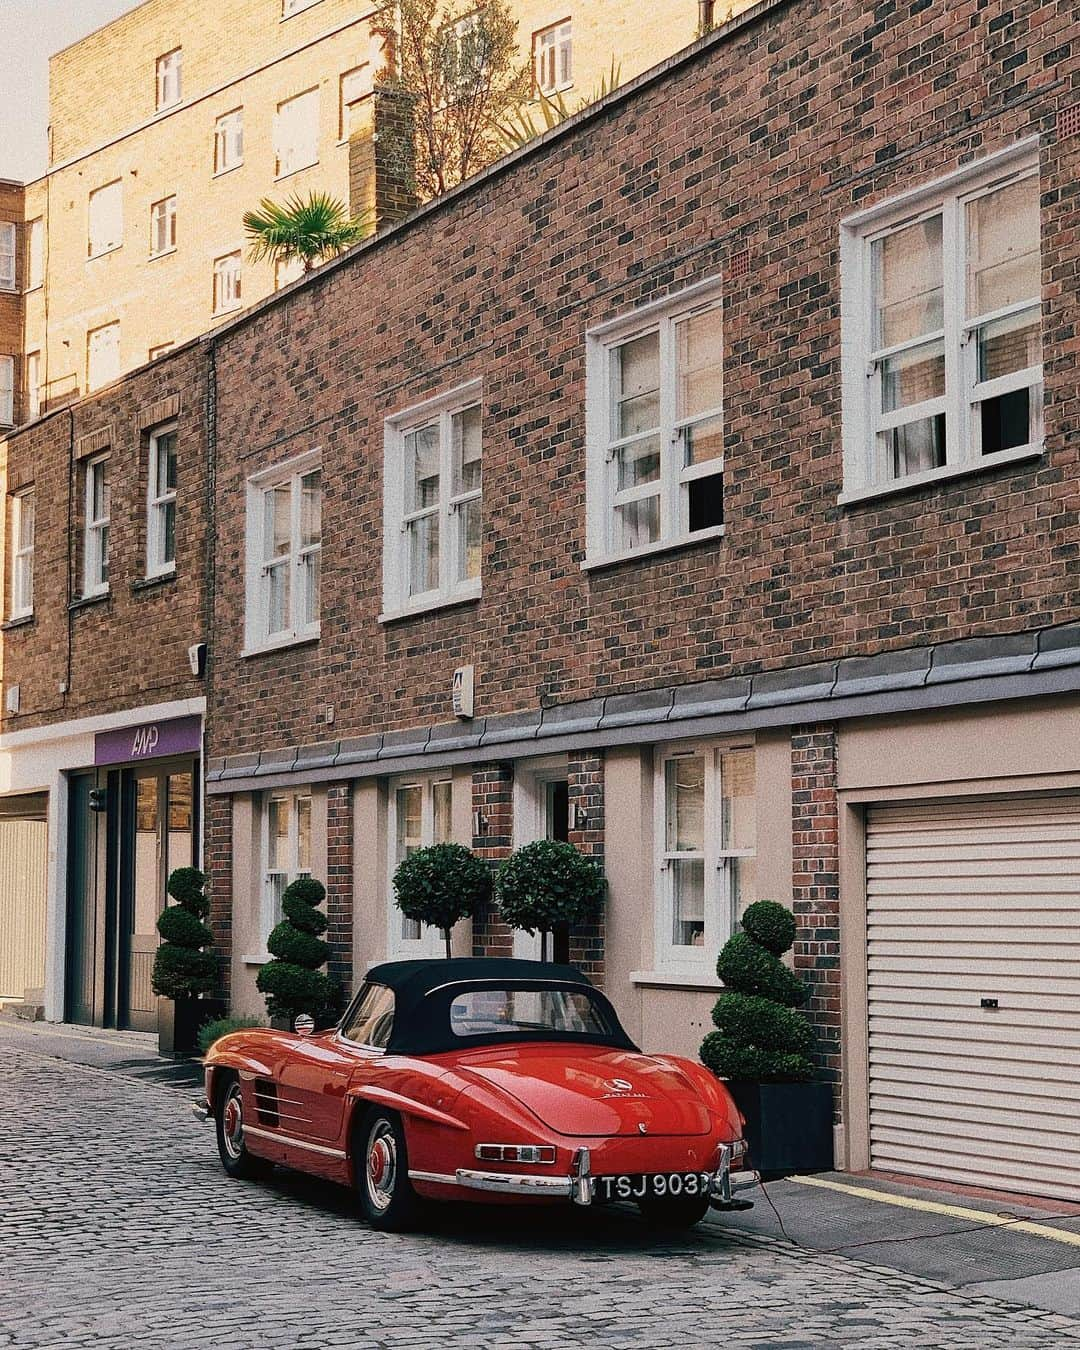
x: 541, y: 811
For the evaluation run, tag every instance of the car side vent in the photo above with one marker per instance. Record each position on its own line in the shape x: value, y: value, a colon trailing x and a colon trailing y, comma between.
x: 266, y: 1101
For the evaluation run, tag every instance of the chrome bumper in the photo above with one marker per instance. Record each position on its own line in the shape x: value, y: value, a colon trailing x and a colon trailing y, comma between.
x: 201, y: 1109
x: 580, y: 1185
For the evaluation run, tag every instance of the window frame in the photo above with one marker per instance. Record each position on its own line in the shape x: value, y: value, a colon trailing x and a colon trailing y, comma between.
x: 7, y: 391
x: 430, y: 944
x: 561, y: 36
x: 91, y: 386
x: 158, y: 503
x: 228, y: 131
x: 22, y: 556
x: 949, y: 197
x: 95, y: 570
x: 35, y: 253
x: 33, y: 385
x: 697, y: 963
x: 169, y: 215
x: 280, y: 169
x: 345, y: 107
x: 269, y: 897
x: 9, y: 237
x: 166, y: 71
x: 95, y: 248
x: 396, y: 520
x: 257, y: 570
x: 234, y: 276
x: 602, y: 494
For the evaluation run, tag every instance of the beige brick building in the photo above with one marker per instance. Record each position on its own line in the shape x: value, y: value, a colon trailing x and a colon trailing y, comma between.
x: 169, y: 123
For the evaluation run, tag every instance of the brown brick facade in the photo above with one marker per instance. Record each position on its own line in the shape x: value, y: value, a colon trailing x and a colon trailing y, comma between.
x: 218, y: 866
x: 585, y: 775
x: 815, y: 885
x: 339, y: 882
x: 493, y: 839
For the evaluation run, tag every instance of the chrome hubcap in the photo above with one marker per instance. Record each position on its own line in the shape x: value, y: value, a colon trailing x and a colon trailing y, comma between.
x: 232, y: 1123
x: 381, y: 1171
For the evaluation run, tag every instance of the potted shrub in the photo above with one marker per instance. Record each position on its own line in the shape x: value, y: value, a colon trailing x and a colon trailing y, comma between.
x: 185, y: 973
x: 293, y: 983
x: 762, y: 1046
x: 440, y: 885
x: 548, y: 887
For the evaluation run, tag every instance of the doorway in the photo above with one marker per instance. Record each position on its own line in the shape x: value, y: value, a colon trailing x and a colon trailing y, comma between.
x: 541, y: 811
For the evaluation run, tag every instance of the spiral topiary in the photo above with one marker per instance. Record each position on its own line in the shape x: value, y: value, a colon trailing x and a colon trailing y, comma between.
x: 293, y: 982
x: 182, y: 969
x: 441, y: 884
x: 759, y: 1036
x: 549, y: 887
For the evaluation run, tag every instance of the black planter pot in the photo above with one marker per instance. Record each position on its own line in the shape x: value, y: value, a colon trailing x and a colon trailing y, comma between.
x: 789, y: 1126
x: 179, y: 1021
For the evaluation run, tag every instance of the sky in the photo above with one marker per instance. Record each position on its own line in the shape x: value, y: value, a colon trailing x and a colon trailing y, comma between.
x: 32, y: 30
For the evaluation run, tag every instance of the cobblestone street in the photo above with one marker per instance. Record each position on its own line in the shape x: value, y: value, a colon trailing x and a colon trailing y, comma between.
x: 120, y: 1229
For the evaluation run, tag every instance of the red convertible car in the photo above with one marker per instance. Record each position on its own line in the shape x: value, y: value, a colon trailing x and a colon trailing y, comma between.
x: 478, y: 1079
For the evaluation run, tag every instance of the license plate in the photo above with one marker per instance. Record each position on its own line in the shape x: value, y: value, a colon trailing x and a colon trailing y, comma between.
x: 653, y: 1185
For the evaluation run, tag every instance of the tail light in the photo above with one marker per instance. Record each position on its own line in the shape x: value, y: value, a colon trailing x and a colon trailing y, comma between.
x: 516, y: 1153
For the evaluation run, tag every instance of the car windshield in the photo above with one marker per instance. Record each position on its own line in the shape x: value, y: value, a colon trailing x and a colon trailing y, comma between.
x: 502, y: 1011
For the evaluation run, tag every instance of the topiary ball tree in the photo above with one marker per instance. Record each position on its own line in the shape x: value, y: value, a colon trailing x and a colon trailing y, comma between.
x: 182, y: 968
x: 440, y: 885
x: 293, y: 982
x: 759, y: 1036
x: 549, y: 887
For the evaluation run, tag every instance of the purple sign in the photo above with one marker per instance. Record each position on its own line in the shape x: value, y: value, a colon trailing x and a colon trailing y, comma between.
x: 150, y: 740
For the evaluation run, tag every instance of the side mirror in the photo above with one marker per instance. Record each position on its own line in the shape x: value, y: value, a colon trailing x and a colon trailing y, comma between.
x: 304, y: 1025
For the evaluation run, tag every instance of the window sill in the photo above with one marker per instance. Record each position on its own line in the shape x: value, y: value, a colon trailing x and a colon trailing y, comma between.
x: 282, y: 644
x: 430, y: 606
x: 165, y: 253
x: 303, y: 9
x: 932, y: 476
x: 150, y: 583
x: 259, y: 959
x: 104, y: 253
x: 652, y: 550
x: 164, y: 108
x: 224, y: 313
x: 666, y: 979
x: 17, y: 621
x: 37, y: 286
x: 280, y: 177
x: 229, y: 168
x: 85, y: 601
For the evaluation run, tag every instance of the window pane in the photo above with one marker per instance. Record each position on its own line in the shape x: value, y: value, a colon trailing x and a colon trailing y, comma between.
x: 1008, y: 345
x: 636, y: 386
x: 277, y: 598
x: 913, y: 377
x: 1005, y: 422
x: 277, y: 507
x: 685, y: 805
x: 913, y: 448
x: 638, y: 523
x: 742, y: 887
x: 738, y: 828
x: 168, y: 533
x: 180, y: 822
x: 303, y: 834
x: 310, y: 508
x: 422, y: 468
x: 166, y: 463
x: 469, y: 523
x: 26, y: 520
x: 1003, y: 248
x: 703, y: 441
x: 277, y: 834
x: 466, y: 440
x: 688, y: 896
x: 908, y: 283
x: 275, y: 884
x: 424, y: 555
x: 100, y: 490
x: 311, y: 568
x: 706, y: 502
x: 699, y: 353
x: 638, y: 463
x: 408, y: 804
x: 441, y: 797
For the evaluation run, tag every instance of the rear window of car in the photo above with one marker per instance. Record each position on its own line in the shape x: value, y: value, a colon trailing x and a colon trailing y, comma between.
x: 500, y: 1011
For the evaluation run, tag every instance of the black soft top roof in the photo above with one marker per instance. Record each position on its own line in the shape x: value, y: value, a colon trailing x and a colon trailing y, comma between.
x: 423, y: 991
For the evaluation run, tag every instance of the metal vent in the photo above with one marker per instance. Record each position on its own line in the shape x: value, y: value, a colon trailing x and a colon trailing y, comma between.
x: 739, y: 265
x: 266, y: 1101
x: 1068, y: 122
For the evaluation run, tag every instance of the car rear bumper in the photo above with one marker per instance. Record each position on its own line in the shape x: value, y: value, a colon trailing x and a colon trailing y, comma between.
x: 580, y: 1185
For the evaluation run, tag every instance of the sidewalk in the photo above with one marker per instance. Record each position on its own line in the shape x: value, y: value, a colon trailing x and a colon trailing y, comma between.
x: 131, y: 1053
x: 1024, y: 1252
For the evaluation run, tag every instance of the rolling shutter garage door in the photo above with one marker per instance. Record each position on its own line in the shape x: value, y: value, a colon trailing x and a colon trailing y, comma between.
x: 969, y: 901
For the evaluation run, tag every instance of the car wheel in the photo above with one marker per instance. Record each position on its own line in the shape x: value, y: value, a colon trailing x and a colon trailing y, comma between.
x: 236, y: 1158
x: 381, y: 1169
x: 674, y: 1213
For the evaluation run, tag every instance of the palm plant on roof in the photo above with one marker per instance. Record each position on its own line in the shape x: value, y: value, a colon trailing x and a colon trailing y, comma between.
x: 307, y: 230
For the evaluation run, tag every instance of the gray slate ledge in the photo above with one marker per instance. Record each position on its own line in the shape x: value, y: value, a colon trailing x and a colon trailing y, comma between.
x: 1039, y: 663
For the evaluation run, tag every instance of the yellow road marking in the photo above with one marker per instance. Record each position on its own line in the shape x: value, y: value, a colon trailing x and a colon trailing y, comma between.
x: 950, y: 1211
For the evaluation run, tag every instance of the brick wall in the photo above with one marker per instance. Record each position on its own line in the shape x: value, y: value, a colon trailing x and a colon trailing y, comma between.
x: 815, y: 886
x: 12, y: 313
x: 493, y: 810
x: 339, y: 882
x: 585, y: 774
x: 217, y: 864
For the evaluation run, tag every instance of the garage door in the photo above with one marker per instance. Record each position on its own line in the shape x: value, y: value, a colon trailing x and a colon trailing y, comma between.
x: 974, y: 992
